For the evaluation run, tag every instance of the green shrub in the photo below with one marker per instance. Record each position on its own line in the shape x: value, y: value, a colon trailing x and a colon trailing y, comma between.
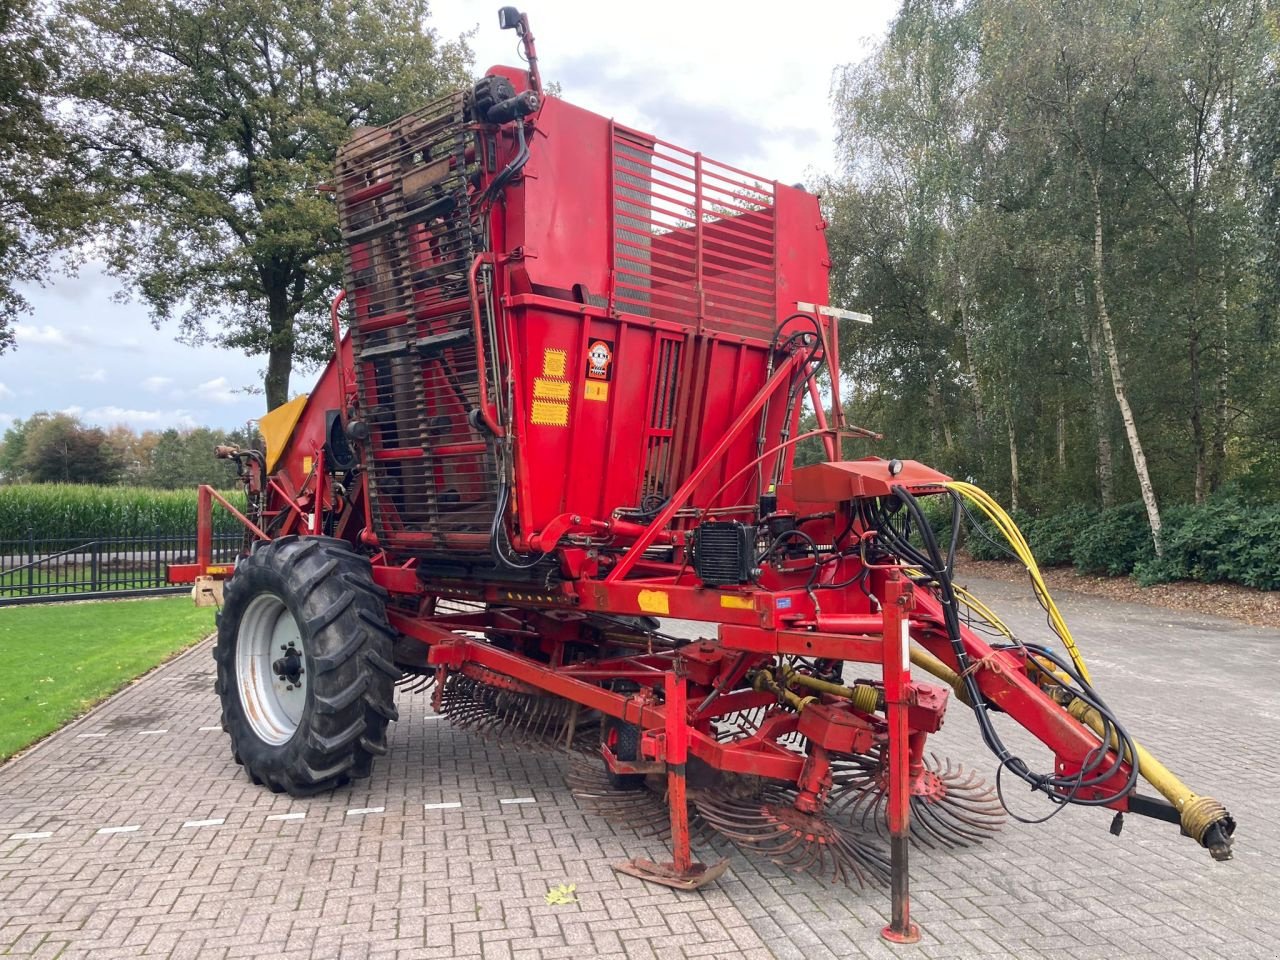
x: 56, y: 511
x: 1052, y: 538
x: 984, y: 542
x: 937, y: 510
x: 1115, y: 542
x: 1223, y: 540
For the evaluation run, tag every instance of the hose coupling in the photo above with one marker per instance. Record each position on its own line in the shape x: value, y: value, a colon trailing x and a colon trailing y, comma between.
x: 1207, y: 822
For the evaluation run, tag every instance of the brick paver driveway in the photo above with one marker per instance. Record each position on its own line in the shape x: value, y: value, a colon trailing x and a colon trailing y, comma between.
x: 132, y: 833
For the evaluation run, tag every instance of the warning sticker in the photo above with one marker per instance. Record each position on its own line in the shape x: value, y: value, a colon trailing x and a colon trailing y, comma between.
x: 596, y: 390
x: 554, y: 363
x: 549, y: 413
x: 600, y: 360
x: 545, y: 389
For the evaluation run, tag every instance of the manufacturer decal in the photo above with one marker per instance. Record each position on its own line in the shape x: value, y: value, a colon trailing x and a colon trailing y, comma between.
x: 600, y: 360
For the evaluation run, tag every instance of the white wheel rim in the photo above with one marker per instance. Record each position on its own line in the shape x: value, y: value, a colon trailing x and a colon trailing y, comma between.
x: 270, y: 669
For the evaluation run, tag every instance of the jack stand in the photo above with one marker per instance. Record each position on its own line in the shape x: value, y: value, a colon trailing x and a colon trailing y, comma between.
x: 683, y: 873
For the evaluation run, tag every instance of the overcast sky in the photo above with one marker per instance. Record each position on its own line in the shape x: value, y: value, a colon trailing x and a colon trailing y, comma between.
x: 717, y: 77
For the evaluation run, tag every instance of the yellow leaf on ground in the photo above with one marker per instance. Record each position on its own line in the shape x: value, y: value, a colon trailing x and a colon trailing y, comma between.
x: 562, y: 894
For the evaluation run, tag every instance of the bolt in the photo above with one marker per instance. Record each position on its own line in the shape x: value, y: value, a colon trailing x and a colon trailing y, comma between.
x: 289, y: 687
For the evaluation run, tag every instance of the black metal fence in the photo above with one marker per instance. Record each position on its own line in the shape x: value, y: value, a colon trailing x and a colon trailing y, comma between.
x: 39, y: 569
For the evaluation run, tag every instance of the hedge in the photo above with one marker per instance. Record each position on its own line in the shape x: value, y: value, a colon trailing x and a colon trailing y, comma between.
x: 1225, y: 540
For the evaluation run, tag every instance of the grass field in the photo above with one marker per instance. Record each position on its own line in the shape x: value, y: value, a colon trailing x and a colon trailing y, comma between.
x: 57, y: 660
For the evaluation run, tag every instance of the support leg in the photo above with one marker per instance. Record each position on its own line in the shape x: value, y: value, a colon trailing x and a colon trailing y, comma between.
x: 683, y: 872
x: 897, y: 675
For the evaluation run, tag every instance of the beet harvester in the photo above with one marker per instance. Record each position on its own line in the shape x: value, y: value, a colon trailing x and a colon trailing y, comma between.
x: 565, y: 410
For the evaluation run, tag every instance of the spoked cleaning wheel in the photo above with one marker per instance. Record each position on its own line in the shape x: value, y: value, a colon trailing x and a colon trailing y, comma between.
x: 641, y: 810
x: 770, y: 824
x: 950, y: 806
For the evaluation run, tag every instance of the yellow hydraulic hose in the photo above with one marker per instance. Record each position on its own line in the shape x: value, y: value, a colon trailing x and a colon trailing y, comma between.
x: 982, y: 610
x: 1009, y: 530
x: 1198, y: 814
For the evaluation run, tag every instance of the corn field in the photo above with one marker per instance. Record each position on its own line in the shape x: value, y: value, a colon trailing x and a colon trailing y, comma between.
x: 72, y: 510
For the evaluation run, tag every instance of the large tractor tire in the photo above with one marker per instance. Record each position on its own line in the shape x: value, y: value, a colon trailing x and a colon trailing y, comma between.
x: 305, y: 670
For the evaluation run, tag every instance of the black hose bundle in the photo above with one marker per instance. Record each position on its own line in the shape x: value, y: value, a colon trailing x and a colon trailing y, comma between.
x: 1062, y: 789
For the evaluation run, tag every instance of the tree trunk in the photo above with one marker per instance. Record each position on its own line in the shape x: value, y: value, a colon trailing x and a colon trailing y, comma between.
x: 1013, y: 455
x: 1198, y: 446
x: 1218, y: 456
x: 279, y: 352
x: 1117, y: 376
x: 1062, y: 436
x: 1101, y: 409
x: 979, y: 409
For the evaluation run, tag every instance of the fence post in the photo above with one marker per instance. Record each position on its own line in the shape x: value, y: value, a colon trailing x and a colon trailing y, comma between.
x: 93, y: 568
x: 159, y: 573
x: 31, y: 562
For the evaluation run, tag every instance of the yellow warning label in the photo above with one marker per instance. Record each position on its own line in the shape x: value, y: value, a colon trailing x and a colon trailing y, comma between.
x: 549, y: 413
x: 653, y: 601
x: 596, y: 390
x: 551, y: 389
x: 306, y: 464
x: 217, y: 571
x: 554, y: 363
x: 734, y: 601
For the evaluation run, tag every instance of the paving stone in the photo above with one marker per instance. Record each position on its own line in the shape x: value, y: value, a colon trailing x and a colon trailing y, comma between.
x: 413, y: 884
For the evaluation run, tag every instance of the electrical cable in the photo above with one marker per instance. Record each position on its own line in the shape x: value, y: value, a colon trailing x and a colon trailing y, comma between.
x: 818, y: 563
x: 1062, y: 789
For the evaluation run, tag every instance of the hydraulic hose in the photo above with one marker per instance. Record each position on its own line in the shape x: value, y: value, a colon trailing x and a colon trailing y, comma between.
x: 1009, y: 530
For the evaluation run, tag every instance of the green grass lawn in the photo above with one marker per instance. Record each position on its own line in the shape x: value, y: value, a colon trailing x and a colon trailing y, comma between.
x: 58, y: 660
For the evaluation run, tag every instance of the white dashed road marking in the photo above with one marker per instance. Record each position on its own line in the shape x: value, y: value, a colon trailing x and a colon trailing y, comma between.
x: 31, y: 836
x: 361, y: 811
x: 519, y: 800
x: 207, y: 729
x: 447, y: 805
x: 150, y: 733
x: 84, y: 736
x: 128, y: 829
x: 286, y: 816
x: 205, y: 823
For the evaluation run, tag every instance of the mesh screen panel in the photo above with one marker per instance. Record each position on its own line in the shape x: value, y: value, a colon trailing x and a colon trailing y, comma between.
x: 410, y: 233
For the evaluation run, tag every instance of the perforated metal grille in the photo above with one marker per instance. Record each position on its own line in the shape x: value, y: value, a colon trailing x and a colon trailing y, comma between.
x: 693, y: 239
x: 410, y: 233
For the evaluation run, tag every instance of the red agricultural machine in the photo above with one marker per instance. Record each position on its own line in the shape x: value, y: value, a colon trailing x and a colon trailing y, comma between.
x: 566, y: 408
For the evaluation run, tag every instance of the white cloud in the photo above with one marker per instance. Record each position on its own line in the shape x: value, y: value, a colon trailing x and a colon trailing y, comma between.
x: 47, y: 335
x: 110, y: 415
x: 156, y: 384
x: 5, y: 392
x: 94, y: 376
x: 6, y: 419
x: 217, y: 390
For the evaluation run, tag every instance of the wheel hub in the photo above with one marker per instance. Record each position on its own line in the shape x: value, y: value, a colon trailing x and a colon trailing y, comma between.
x: 271, y: 675
x: 289, y: 667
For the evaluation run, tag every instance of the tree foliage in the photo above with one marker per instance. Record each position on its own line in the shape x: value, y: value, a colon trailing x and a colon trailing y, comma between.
x: 211, y: 129
x: 59, y: 448
x: 40, y: 204
x: 1057, y: 214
